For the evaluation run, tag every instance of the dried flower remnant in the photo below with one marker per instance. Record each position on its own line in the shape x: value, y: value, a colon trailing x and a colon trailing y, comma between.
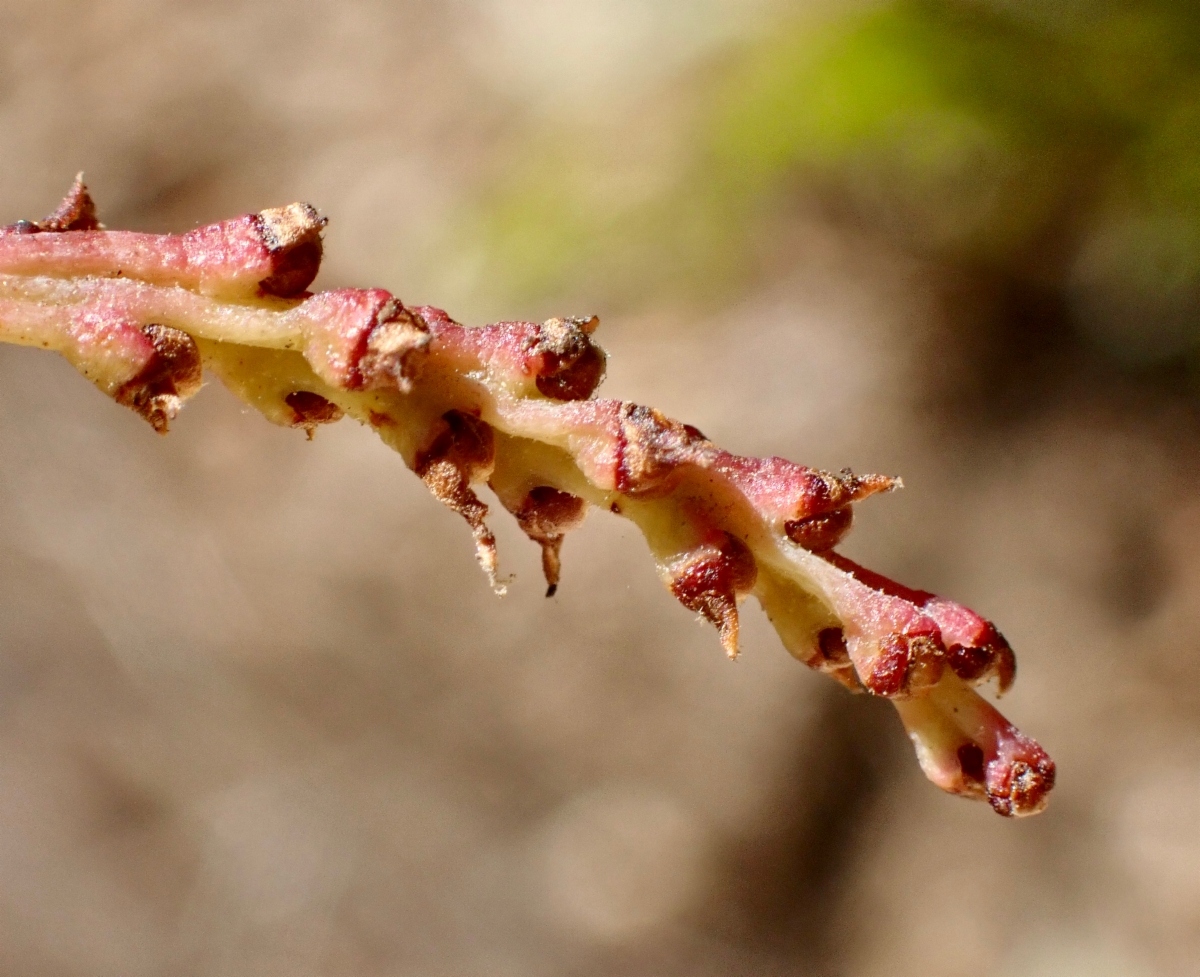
x: 511, y: 405
x: 546, y: 515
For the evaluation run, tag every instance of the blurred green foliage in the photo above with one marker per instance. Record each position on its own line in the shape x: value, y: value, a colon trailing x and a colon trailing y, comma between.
x: 1052, y: 142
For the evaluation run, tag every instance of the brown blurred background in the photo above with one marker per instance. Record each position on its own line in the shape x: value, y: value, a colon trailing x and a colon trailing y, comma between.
x: 260, y: 713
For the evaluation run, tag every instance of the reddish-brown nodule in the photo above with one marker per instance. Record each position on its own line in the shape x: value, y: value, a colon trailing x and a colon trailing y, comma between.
x: 820, y: 533
x: 1018, y: 774
x: 905, y: 664
x: 970, y: 762
x: 831, y: 646
x: 292, y: 236
x: 992, y: 659
x: 311, y: 410
x: 572, y: 366
x: 831, y: 657
x: 709, y: 580
x: 889, y: 668
x: 171, y: 375
x: 546, y: 516
x: 1020, y: 788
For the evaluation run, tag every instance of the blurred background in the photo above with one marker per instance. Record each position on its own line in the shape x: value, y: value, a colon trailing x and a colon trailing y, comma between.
x: 261, y: 714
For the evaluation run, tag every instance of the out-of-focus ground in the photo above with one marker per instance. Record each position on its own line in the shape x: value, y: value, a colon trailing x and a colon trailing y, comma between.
x: 260, y: 713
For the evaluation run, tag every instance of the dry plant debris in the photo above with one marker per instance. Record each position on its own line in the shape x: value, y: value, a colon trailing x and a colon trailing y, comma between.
x: 511, y: 405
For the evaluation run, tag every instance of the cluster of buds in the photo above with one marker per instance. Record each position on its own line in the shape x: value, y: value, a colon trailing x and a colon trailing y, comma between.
x: 512, y: 405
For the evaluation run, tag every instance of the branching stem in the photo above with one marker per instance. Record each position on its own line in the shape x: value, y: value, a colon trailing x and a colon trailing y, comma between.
x: 511, y: 405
